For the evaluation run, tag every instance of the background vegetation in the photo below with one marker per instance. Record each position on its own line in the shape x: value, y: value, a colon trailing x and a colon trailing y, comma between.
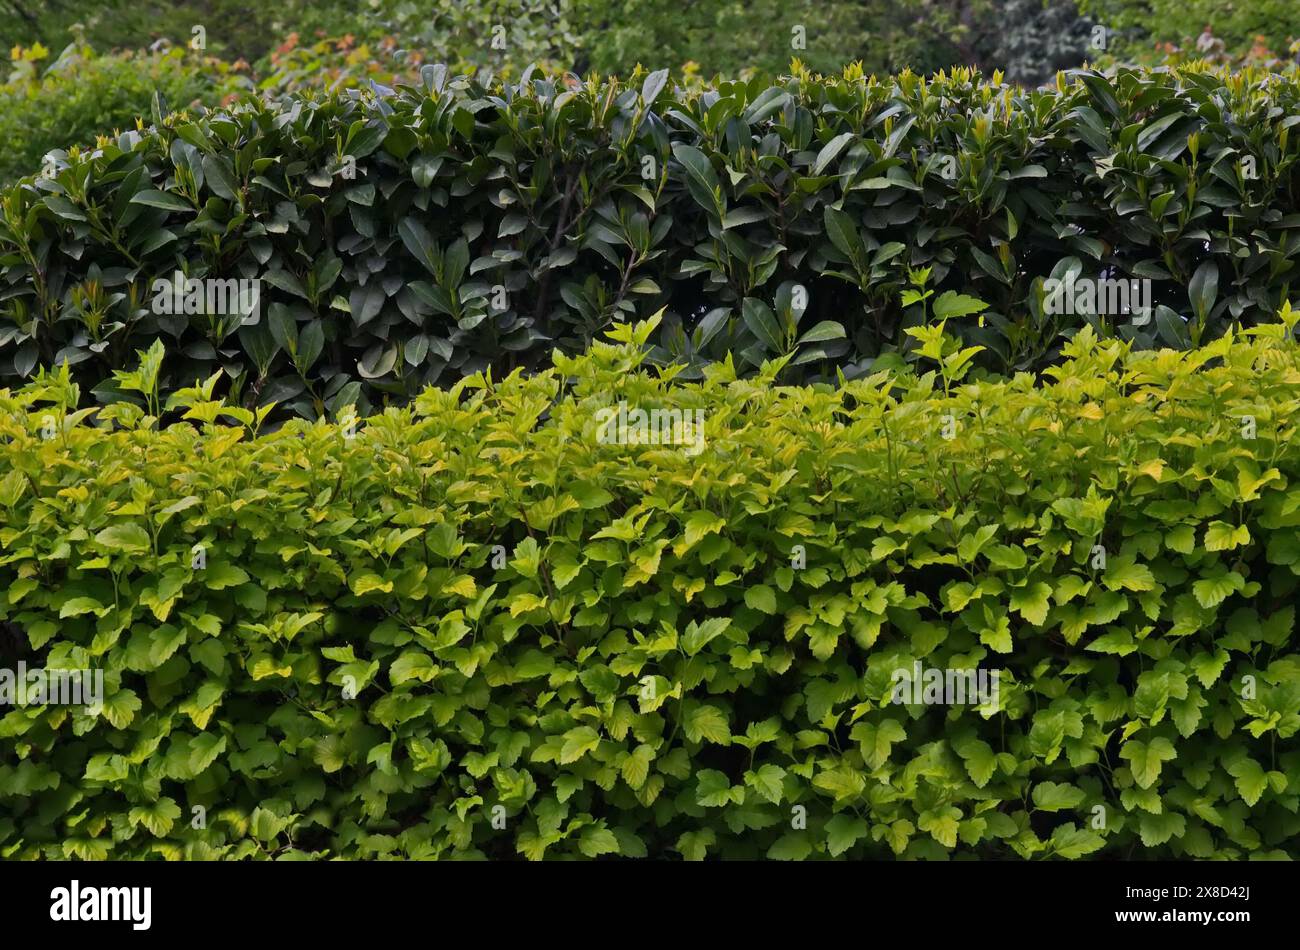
x: 343, y: 613
x: 284, y: 47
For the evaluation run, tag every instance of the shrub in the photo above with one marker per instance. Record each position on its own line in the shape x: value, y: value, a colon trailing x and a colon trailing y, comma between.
x: 484, y: 225
x: 503, y: 36
x: 758, y: 35
x: 339, y: 63
x: 1028, y: 39
x: 1031, y: 39
x: 233, y: 29
x: 1146, y: 25
x: 83, y: 95
x: 474, y: 627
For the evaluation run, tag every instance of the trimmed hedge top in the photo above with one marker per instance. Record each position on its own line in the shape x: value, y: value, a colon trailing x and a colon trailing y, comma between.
x: 486, y: 224
x: 474, y: 627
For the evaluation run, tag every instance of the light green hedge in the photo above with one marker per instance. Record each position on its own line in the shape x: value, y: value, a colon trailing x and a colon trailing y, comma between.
x: 671, y: 652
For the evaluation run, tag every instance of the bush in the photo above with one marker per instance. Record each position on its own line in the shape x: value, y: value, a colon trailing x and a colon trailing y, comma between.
x: 233, y: 29
x: 1146, y: 25
x: 341, y: 63
x: 1027, y: 39
x: 723, y: 37
x: 82, y: 95
x: 641, y: 648
x: 485, y: 225
x: 1031, y: 39
x: 503, y: 36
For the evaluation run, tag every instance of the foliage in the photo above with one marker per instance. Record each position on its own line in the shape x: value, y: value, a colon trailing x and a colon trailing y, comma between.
x: 1148, y: 25
x: 233, y: 29
x: 1027, y: 39
x: 398, y: 626
x: 340, y: 63
x: 1208, y: 48
x: 1030, y: 40
x: 501, y: 36
x: 737, y: 39
x: 462, y: 34
x: 81, y: 95
x: 485, y: 225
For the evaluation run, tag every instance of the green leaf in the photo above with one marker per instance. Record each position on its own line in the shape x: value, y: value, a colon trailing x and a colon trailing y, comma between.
x: 1128, y: 576
x: 761, y: 598
x: 844, y: 235
x: 699, y: 170
x: 761, y: 321
x: 636, y: 767
x: 738, y: 216
x: 128, y: 537
x: 220, y: 177
x: 1053, y: 796
x: 1220, y: 536
x: 951, y: 304
x: 998, y: 638
x: 1212, y: 591
x: 161, y: 199
x: 843, y: 832
x: 653, y: 85
x: 698, y: 636
x: 417, y: 240
x: 1250, y: 779
x: 942, y: 824
x: 578, y: 742
x: 845, y: 783
x: 831, y: 150
x: 979, y: 759
x: 220, y: 575
x: 703, y: 721
x: 367, y: 582
x: 768, y: 781
x: 1204, y: 288
x: 1032, y: 602
x: 1073, y: 843
x: 1155, y: 830
x: 82, y: 605
x: 822, y: 332
x: 597, y: 840
x: 876, y: 741
x: 694, y: 845
x: 713, y: 790
x: 792, y: 846
x: 203, y: 751
x: 1208, y: 667
x: 1145, y: 760
x: 158, y: 817
x: 121, y: 707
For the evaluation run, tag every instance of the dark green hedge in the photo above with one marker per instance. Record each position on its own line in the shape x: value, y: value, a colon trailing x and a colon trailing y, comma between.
x: 463, y: 629
x: 488, y: 224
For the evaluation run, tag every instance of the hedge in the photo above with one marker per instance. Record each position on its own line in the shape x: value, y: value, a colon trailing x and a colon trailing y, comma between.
x: 81, y: 95
x: 470, y: 627
x: 487, y: 224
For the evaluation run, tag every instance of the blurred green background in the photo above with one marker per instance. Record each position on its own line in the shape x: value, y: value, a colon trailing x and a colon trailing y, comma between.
x: 81, y: 68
